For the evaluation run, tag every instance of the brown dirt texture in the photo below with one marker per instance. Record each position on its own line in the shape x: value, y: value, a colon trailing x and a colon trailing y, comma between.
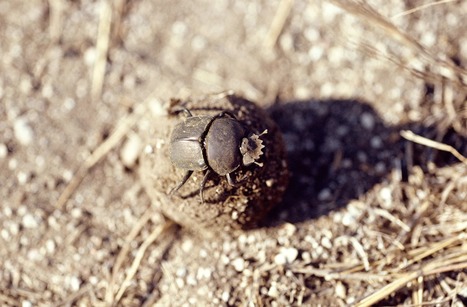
x: 371, y: 101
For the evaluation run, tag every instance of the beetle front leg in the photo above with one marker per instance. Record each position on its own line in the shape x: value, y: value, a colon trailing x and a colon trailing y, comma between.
x: 231, y: 181
x: 203, y: 183
x: 184, y: 180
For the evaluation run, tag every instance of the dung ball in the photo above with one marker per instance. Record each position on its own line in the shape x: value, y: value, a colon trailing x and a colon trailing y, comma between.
x: 242, y: 184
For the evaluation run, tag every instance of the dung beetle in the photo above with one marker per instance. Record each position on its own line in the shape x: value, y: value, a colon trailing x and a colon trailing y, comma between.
x: 218, y: 144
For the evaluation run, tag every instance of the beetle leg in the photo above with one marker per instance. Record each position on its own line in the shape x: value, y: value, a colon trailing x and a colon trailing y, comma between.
x: 203, y: 183
x: 184, y: 180
x: 224, y: 113
x: 187, y: 112
x: 231, y: 181
x: 234, y: 183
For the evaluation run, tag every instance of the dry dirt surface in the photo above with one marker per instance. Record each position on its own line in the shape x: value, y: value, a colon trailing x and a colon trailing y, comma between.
x: 371, y: 100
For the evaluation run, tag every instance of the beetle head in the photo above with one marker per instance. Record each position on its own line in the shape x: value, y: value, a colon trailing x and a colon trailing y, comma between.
x: 251, y: 148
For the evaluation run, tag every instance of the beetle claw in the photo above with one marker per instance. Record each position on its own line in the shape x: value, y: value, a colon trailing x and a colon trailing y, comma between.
x: 231, y: 181
x: 184, y: 180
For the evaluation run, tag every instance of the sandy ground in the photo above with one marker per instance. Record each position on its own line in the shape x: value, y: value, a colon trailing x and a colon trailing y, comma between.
x: 368, y: 217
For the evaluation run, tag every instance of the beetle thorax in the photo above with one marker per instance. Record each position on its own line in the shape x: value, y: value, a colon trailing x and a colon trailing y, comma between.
x: 222, y: 145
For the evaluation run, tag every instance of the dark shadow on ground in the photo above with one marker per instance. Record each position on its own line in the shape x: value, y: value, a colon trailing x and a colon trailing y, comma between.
x: 339, y: 149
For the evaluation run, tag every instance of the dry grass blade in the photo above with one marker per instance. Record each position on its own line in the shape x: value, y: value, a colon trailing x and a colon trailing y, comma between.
x: 56, y: 18
x: 74, y: 296
x: 332, y: 275
x: 402, y: 281
x: 435, y: 266
x: 367, y: 13
x: 385, y: 214
x: 144, y: 219
x: 361, y: 252
x: 278, y: 23
x: 421, y: 7
x: 122, y: 129
x: 387, y: 290
x: 102, y: 47
x: 362, y: 9
x: 431, y: 250
x: 409, y: 135
x: 418, y: 294
x: 139, y: 257
x: 404, y: 64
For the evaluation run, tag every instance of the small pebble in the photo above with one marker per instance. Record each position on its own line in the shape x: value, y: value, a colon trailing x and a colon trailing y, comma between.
x: 290, y: 254
x: 67, y: 175
x: 29, y: 221
x: 324, y: 195
x: 376, y: 142
x: 26, y: 304
x: 5, y: 234
x: 181, y: 272
x: 157, y: 108
x: 13, y: 229
x: 131, y: 150
x: 386, y: 195
x: 288, y: 229
x: 3, y: 151
x: 238, y: 264
x: 35, y: 255
x: 204, y: 273
x: 326, y: 243
x: 348, y: 219
x: 7, y: 211
x: 23, y: 132
x: 380, y: 167
x: 148, y: 149
x: 225, y: 296
x: 180, y: 282
x: 90, y: 56
x: 22, y: 178
x: 341, y: 291
x: 69, y: 103
x: 270, y: 182
x: 50, y: 246
x: 279, y: 259
x: 306, y: 256
x: 203, y: 253
x: 273, y: 292
x: 93, y: 280
x: 286, y: 255
x: 191, y: 280
x: 367, y: 120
